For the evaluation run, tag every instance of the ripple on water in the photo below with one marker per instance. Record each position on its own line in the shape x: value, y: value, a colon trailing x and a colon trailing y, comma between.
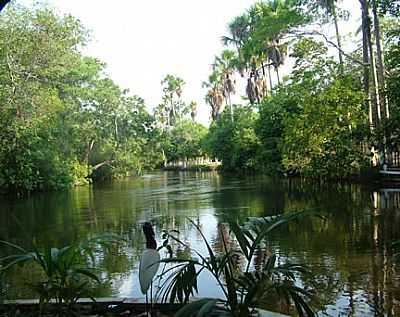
x: 345, y: 251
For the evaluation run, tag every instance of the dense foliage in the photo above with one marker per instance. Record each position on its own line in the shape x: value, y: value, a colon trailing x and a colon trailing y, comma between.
x: 323, y: 124
x: 62, y: 120
x: 335, y: 115
x: 240, y: 143
x: 185, y: 141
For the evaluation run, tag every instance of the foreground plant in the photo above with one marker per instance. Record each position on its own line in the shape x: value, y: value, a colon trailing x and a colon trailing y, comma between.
x: 243, y: 288
x: 68, y: 272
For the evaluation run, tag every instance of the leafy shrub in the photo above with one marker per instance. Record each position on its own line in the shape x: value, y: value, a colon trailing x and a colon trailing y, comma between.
x: 243, y: 288
x: 67, y: 271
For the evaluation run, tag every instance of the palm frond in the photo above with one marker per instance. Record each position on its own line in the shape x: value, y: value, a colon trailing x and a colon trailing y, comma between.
x: 198, y: 308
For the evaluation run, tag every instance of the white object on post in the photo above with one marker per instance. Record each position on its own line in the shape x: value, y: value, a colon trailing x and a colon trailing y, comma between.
x: 149, y: 264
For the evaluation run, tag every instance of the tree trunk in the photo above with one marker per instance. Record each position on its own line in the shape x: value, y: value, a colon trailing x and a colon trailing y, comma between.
x: 277, y: 75
x: 165, y: 162
x: 97, y: 166
x: 230, y: 106
x: 339, y: 42
x: 269, y: 76
x: 374, y: 82
x: 116, y: 129
x: 380, y: 64
x: 367, y: 48
x: 87, y: 155
x: 366, y: 77
x: 168, y: 118
x: 374, y: 103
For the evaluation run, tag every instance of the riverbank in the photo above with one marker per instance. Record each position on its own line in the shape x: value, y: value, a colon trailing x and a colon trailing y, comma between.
x: 207, y: 167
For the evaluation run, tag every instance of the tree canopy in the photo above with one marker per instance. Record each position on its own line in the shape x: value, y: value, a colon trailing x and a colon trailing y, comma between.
x: 64, y: 121
x: 331, y: 116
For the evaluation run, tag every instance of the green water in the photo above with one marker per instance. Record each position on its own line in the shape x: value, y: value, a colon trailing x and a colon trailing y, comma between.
x: 349, y: 250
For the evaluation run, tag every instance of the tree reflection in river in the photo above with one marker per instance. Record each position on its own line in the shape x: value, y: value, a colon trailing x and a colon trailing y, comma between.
x: 348, y: 250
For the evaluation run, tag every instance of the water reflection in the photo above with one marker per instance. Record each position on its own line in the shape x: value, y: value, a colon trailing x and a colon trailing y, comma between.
x: 348, y: 249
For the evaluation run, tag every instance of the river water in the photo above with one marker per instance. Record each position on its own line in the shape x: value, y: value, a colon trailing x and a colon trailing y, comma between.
x: 348, y: 250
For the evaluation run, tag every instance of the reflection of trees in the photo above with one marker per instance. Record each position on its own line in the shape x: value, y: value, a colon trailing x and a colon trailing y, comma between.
x: 338, y: 247
x: 247, y: 196
x: 348, y: 251
x: 224, y: 239
x: 386, y: 224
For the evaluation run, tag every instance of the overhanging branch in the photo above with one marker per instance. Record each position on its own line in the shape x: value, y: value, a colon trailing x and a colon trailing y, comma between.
x: 327, y: 40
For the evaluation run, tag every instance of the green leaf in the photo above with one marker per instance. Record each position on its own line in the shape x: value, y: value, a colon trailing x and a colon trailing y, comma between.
x: 193, y: 308
x: 207, y: 308
x: 89, y: 274
x: 241, y: 238
x: 13, y: 246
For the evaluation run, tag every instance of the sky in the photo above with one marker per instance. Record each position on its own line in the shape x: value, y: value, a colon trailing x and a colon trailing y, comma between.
x: 141, y: 41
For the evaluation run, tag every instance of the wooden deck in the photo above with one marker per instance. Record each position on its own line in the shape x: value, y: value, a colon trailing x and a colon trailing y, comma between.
x: 390, y: 175
x: 118, y: 304
x: 390, y: 171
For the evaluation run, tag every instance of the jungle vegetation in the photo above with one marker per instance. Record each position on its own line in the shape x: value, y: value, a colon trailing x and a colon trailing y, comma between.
x: 65, y: 122
x: 334, y: 115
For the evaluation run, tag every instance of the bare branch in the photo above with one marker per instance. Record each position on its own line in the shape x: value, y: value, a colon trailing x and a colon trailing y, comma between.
x: 97, y: 166
x: 327, y: 40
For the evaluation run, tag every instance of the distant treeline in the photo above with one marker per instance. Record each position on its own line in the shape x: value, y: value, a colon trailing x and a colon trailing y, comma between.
x: 64, y: 122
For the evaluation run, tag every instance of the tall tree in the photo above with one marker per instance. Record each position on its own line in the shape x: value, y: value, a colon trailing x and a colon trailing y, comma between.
x: 172, y: 108
x: 258, y: 36
x: 215, y: 95
x: 193, y: 110
x: 224, y: 65
x: 62, y: 120
x: 371, y: 90
x: 380, y: 62
x: 330, y: 7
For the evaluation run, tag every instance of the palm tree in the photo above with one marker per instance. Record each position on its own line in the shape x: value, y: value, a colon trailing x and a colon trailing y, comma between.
x: 370, y: 82
x: 214, y: 95
x: 193, y: 110
x: 172, y: 107
x: 272, y: 21
x: 330, y: 7
x: 380, y: 63
x: 239, y: 31
x: 221, y: 83
x: 257, y: 36
x: 276, y: 55
x: 225, y: 65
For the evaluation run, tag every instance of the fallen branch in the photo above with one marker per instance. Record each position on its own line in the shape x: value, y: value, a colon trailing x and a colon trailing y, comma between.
x: 97, y: 166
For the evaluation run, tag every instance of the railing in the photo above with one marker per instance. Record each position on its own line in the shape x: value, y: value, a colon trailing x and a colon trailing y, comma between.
x: 392, y: 156
x: 393, y: 159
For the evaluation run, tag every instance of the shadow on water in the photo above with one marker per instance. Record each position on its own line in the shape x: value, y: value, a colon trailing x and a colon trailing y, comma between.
x: 348, y: 250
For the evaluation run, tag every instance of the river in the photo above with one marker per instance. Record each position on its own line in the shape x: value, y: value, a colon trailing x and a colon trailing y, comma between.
x: 348, y: 250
